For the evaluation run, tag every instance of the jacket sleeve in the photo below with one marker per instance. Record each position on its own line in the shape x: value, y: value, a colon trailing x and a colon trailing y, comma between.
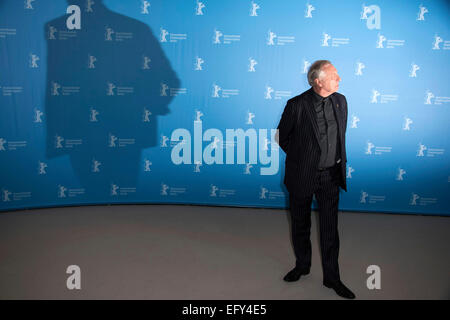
x: 286, y: 126
x: 346, y: 113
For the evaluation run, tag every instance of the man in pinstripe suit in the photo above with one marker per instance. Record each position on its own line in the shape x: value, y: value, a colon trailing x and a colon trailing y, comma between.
x: 312, y: 134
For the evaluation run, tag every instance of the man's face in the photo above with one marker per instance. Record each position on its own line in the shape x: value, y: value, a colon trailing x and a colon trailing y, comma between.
x: 329, y: 81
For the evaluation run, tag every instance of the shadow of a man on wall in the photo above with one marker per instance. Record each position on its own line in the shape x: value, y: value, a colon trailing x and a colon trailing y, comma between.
x: 106, y: 85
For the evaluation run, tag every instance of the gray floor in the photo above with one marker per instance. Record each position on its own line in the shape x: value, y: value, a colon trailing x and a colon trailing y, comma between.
x: 201, y: 252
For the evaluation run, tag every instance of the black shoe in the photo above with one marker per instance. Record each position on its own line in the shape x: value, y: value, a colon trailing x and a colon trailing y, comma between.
x: 294, y: 275
x: 340, y: 289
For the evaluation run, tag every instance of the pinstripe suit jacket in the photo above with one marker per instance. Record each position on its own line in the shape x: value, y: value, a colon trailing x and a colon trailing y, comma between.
x: 299, y: 139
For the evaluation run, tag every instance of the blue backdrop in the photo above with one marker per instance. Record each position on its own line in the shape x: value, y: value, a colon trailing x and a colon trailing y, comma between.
x: 177, y: 101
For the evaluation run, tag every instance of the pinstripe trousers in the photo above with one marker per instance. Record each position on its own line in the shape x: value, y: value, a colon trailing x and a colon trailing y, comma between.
x: 327, y: 195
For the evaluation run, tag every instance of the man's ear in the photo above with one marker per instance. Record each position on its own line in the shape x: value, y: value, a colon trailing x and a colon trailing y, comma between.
x: 317, y: 83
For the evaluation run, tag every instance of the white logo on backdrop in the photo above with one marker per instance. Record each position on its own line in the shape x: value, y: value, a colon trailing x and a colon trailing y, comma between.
x: 366, y: 198
x: 198, y: 63
x: 371, y: 149
x: 252, y: 64
x: 375, y: 95
x: 380, y: 41
x: 421, y: 14
x: 309, y: 9
x: 390, y: 43
x: 95, y: 165
x: 173, y: 190
x: 199, y: 8
x: 281, y: 40
x: 354, y: 122
x: 120, y: 36
x: 114, y: 188
x: 58, y: 142
x: 89, y: 4
x: 374, y: 20
x: 164, y: 188
x: 51, y: 33
x: 227, y: 38
x: 359, y: 67
x: 33, y: 60
x: 164, y: 140
x: 163, y: 91
x: 217, y: 35
x: 122, y: 191
x: 146, y: 115
x: 112, y: 140
x: 163, y: 35
x: 5, y: 195
x: 144, y: 6
x: 110, y: 89
x: 147, y: 164
x: 335, y: 42
x: 108, y: 33
x: 12, y: 145
x: 28, y: 5
x: 253, y: 9
x: 400, y: 173
x: 122, y: 142
x: 420, y: 151
x: 363, y: 197
x: 250, y: 117
x: 422, y: 201
x: 325, y: 39
x: 407, y: 123
x: 350, y: 170
x: 437, y: 99
x: 55, y: 88
x: 219, y: 92
x: 145, y: 61
x: 268, y: 94
x: 37, y: 116
x: 262, y: 193
x: 91, y: 61
x: 197, y: 166
x: 306, y: 65
x: 61, y: 191
x: 414, y: 198
x: 413, y: 71
x: 428, y: 96
x: 279, y: 94
x: 270, y: 37
x: 2, y: 144
x: 41, y: 167
x: 265, y: 193
x: 198, y: 115
x: 370, y: 146
x: 437, y: 43
x: 213, y: 191
x: 93, y: 115
x: 430, y: 152
x: 384, y: 98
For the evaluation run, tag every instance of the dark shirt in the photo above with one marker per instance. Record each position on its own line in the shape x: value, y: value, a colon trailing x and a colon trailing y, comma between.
x: 328, y: 129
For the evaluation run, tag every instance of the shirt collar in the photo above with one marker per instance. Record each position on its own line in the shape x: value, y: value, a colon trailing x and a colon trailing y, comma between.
x: 318, y: 98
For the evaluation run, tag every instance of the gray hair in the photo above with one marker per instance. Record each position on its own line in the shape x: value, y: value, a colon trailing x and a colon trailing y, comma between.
x: 315, y: 70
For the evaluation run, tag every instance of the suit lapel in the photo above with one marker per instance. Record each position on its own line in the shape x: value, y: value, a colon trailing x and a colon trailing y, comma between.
x: 311, y: 112
x: 337, y: 112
